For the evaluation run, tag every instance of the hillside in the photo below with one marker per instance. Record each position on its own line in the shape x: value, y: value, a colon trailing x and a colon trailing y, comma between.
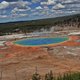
x: 37, y: 24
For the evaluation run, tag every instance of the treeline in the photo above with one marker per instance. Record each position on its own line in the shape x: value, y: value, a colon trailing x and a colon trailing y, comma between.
x: 50, y: 76
x: 38, y: 24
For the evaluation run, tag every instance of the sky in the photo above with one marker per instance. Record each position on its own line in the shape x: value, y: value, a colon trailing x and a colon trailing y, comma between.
x: 24, y: 10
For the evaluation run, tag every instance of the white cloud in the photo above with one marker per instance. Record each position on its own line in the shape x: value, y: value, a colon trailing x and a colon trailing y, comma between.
x: 23, y: 15
x: 38, y: 8
x: 12, y: 3
x: 3, y: 16
x: 33, y: 10
x: 59, y: 12
x: 43, y: 3
x: 20, y: 4
x: 49, y: 2
x: 18, y: 15
x: 69, y: 12
x: 35, y: 1
x: 58, y: 6
x: 16, y: 9
x: 39, y: 13
x: 73, y: 6
x: 15, y: 15
x: 4, y: 5
x: 46, y: 8
x: 69, y: 1
x: 43, y: 12
x: 35, y: 13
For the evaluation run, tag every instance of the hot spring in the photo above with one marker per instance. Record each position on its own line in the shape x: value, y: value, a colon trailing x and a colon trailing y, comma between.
x: 40, y: 41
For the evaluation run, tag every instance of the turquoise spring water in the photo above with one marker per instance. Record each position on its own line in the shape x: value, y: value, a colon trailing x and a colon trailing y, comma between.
x: 40, y: 41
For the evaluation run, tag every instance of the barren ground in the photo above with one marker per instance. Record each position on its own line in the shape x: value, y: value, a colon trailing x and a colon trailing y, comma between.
x: 21, y: 63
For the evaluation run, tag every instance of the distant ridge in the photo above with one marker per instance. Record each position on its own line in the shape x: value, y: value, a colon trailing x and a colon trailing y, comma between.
x: 36, y: 23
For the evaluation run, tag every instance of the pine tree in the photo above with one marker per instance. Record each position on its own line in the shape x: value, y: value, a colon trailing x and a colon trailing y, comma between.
x: 49, y: 76
x: 36, y: 76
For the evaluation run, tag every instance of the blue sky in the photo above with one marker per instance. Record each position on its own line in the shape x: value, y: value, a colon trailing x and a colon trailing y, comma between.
x: 21, y: 10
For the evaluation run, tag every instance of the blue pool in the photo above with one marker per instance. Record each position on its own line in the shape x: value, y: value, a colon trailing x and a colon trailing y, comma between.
x: 40, y: 41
